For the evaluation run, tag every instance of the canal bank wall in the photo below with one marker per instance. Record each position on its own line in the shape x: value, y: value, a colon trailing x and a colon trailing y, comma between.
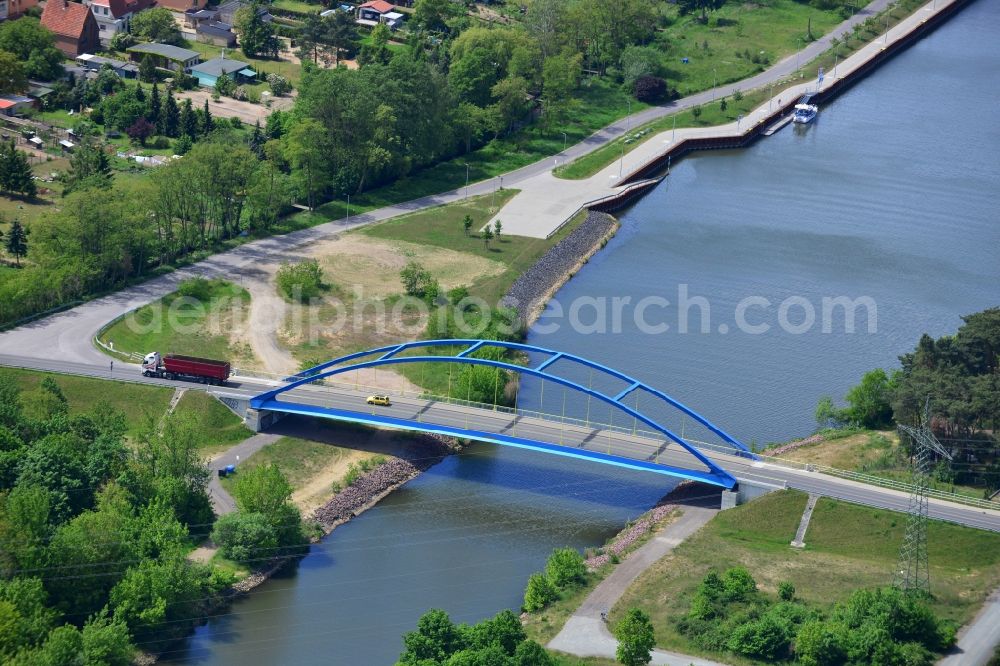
x: 855, y: 73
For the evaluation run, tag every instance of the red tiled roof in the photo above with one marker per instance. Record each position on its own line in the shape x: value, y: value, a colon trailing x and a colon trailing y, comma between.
x: 65, y: 18
x: 6, y: 103
x: 381, y: 6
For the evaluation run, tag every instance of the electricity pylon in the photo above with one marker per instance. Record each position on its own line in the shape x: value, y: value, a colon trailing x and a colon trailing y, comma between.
x: 912, y: 572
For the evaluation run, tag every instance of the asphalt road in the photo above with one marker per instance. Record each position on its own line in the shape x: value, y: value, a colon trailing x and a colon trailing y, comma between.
x: 419, y: 410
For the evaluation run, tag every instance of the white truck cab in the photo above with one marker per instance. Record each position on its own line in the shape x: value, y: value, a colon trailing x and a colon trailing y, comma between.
x: 151, y: 364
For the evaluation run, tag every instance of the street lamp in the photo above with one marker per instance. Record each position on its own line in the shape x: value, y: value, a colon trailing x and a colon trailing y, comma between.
x: 621, y: 165
x: 715, y: 82
x: 564, y: 141
x: 466, y: 180
x: 628, y: 116
x: 348, y: 208
x: 673, y: 136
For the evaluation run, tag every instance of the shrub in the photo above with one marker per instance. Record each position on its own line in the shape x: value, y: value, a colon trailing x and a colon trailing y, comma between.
x: 198, y: 288
x: 818, y: 644
x: 539, y: 593
x: 240, y: 94
x: 245, y: 537
x: 300, y: 282
x: 278, y: 84
x: 738, y: 584
x: 650, y: 89
x: 763, y: 638
x: 417, y: 281
x: 786, y: 591
x: 566, y: 567
x: 182, y: 145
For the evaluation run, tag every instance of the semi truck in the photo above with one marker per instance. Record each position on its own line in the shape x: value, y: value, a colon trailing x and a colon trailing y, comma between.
x: 191, y: 368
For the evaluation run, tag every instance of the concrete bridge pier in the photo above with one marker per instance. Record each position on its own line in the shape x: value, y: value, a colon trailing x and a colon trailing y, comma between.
x: 745, y: 491
x: 257, y: 420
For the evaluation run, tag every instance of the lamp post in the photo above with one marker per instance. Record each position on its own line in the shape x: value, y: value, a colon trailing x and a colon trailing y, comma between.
x: 673, y: 135
x: 621, y: 164
x: 564, y: 141
x: 715, y: 82
x: 628, y: 118
x: 466, y: 180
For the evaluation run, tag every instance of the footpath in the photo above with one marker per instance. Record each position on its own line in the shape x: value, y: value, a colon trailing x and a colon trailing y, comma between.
x: 586, y: 633
x: 545, y: 202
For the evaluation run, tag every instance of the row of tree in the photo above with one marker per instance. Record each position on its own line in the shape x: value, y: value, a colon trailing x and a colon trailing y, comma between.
x: 957, y: 375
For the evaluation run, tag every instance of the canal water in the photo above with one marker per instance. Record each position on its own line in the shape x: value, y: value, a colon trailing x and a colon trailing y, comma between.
x: 892, y: 195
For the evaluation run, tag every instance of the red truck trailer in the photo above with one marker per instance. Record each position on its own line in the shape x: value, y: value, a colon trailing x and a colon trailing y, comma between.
x: 192, y: 368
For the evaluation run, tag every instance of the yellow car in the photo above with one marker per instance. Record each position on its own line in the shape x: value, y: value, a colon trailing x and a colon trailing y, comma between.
x: 379, y: 400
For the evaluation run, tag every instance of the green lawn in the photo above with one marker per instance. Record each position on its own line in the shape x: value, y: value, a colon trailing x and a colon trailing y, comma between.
x: 735, y: 35
x: 847, y: 547
x: 184, y: 326
x: 219, y: 427
x: 138, y: 402
x: 290, y: 70
x: 297, y: 6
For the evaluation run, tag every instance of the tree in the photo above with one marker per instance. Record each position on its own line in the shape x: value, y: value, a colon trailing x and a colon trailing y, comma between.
x: 417, y: 280
x: 738, y: 584
x: 106, y: 642
x: 487, y: 236
x: 207, y: 124
x: 154, y: 593
x: 17, y: 240
x: 264, y: 490
x: 565, y: 567
x: 15, y: 171
x: 539, y: 593
x: 870, y: 401
x: 434, y: 14
x: 169, y: 117
x: 704, y: 6
x: 257, y: 36
x: 155, y: 25
x: 467, y: 224
x: 140, y: 130
x: 651, y: 89
x: 245, y: 537
x: 560, y: 77
x: 497, y: 228
x: 188, y: 121
x: 155, y: 107
x: 305, y: 149
x: 435, y: 639
x: 635, y: 638
x: 147, y: 68
x: 696, y: 112
x: 88, y: 166
x: 786, y: 591
x: 818, y: 644
x: 764, y: 638
x: 376, y: 51
x: 34, y: 46
x: 12, y: 76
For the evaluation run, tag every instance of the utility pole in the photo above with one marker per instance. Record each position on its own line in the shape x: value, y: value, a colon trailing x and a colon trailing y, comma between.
x: 913, y: 573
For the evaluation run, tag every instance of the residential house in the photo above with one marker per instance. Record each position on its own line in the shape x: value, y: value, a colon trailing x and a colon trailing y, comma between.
x: 93, y: 63
x: 166, y: 56
x: 210, y: 71
x: 207, y: 27
x: 379, y: 11
x: 114, y: 16
x: 12, y: 9
x: 182, y: 5
x: 227, y: 12
x: 73, y: 25
x: 15, y: 105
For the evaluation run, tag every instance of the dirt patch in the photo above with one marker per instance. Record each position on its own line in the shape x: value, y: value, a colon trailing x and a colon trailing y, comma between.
x: 319, y: 489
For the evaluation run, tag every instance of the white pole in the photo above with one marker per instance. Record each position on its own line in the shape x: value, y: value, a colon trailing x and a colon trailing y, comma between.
x: 673, y: 137
x: 466, y: 180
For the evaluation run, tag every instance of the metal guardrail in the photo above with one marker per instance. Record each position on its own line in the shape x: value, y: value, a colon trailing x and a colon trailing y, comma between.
x: 860, y: 477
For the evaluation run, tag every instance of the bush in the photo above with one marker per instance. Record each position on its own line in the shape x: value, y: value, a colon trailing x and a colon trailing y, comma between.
x: 764, y: 638
x: 819, y: 644
x: 300, y: 282
x: 786, y: 591
x: 418, y: 282
x: 650, y: 89
x: 245, y: 537
x: 279, y: 85
x: 566, y: 567
x: 539, y: 593
x: 182, y: 145
x: 738, y: 584
x: 197, y: 288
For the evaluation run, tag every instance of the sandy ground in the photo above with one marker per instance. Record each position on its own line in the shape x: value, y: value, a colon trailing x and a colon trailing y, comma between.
x: 227, y: 107
x: 317, y: 491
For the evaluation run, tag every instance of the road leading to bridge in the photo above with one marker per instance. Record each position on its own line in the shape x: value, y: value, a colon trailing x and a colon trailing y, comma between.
x: 424, y: 411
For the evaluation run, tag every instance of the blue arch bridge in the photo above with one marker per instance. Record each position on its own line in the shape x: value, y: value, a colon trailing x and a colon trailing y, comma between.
x: 645, y: 443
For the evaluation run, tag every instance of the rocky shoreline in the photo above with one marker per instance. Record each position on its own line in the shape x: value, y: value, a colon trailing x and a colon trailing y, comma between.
x: 530, y: 292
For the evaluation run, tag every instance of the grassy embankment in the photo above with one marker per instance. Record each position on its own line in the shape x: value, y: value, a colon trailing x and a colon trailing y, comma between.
x: 207, y: 325
x: 847, y: 547
x: 871, y: 452
x: 141, y: 404
x: 712, y: 114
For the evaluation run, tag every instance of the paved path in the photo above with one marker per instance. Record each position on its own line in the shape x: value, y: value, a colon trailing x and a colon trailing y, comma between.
x: 546, y: 202
x: 222, y: 501
x: 543, y: 204
x: 978, y: 639
x: 586, y: 634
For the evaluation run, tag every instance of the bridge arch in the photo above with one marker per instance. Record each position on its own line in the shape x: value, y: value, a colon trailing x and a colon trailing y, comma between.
x: 390, y: 355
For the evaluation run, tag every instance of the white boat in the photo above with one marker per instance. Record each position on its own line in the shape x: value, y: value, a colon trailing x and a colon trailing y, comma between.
x: 805, y: 113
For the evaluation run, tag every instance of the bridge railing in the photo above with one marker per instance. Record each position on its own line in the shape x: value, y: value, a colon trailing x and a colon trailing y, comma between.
x: 634, y: 431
